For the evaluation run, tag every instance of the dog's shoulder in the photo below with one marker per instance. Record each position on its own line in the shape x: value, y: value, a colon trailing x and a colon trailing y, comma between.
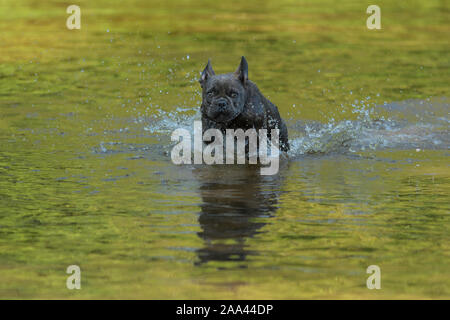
x: 255, y: 97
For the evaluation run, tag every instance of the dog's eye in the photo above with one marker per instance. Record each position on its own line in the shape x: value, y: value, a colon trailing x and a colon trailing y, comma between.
x: 234, y: 94
x: 210, y: 94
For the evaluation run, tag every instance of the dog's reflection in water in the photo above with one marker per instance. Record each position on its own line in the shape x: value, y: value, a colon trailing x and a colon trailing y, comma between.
x: 233, y: 197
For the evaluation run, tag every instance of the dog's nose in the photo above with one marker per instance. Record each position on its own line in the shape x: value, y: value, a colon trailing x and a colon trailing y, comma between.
x: 222, y: 103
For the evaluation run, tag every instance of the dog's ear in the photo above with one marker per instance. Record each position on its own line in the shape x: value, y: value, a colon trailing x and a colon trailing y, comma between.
x: 206, y: 73
x: 242, y: 71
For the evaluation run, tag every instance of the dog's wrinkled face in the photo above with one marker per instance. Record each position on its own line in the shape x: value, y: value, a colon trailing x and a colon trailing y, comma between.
x: 224, y: 95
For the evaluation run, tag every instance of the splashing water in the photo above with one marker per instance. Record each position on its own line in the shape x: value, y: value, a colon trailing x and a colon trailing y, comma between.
x: 412, y: 124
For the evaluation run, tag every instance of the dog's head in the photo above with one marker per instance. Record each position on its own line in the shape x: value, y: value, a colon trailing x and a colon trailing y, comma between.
x: 224, y: 95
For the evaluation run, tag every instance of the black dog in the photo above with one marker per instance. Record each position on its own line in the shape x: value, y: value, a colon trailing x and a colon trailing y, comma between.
x: 231, y: 101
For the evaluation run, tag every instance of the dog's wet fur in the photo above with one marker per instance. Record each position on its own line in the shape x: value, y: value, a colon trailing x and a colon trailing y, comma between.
x: 232, y: 101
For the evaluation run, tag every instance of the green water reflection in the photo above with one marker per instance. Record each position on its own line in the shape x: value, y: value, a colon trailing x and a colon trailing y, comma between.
x: 85, y: 177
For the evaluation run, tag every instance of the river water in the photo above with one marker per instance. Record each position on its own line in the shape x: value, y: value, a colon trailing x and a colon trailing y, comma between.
x: 86, y: 176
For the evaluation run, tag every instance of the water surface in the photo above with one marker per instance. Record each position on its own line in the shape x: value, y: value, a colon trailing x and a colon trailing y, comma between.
x: 86, y: 176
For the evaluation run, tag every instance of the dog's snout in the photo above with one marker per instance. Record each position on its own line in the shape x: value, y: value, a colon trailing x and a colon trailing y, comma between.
x: 222, y: 103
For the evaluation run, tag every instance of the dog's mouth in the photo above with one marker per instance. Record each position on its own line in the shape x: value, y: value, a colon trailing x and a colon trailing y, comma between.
x: 222, y: 115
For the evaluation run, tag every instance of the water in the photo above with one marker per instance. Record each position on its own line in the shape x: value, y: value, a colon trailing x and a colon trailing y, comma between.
x: 86, y: 175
